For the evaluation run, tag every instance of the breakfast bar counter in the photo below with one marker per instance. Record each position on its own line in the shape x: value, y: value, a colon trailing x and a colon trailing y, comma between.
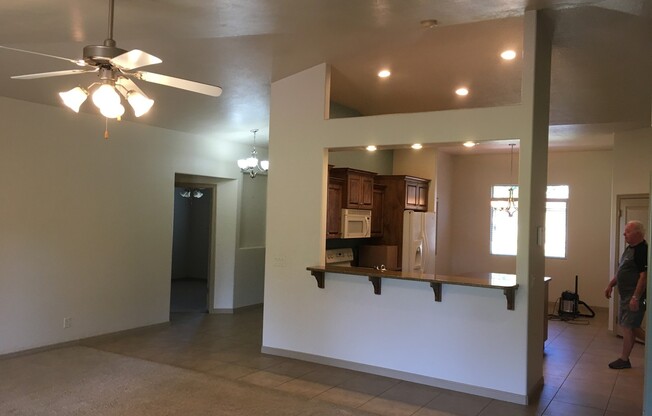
x: 506, y: 282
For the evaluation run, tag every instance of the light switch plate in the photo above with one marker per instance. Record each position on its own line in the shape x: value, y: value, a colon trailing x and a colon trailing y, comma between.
x: 541, y: 236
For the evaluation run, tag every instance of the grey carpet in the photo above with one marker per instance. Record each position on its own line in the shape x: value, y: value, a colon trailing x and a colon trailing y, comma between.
x: 79, y: 380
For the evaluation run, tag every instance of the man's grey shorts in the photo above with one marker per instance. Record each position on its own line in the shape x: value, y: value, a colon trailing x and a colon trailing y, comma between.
x: 630, y: 319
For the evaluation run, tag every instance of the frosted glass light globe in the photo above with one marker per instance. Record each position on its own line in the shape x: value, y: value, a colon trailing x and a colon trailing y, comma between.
x: 139, y: 103
x: 105, y: 95
x: 74, y: 98
x: 112, y: 111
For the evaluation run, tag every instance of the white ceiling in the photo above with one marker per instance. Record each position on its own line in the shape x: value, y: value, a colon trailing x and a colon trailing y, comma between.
x: 602, y: 56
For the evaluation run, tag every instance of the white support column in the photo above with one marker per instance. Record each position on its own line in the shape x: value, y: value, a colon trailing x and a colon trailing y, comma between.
x: 533, y: 163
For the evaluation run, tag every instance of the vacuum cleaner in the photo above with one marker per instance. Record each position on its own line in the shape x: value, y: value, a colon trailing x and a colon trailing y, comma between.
x: 569, y: 304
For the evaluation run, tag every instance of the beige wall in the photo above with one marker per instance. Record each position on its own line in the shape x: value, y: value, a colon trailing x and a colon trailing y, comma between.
x: 380, y: 161
x: 87, y: 223
x: 589, y: 176
x: 633, y: 160
x: 472, y: 177
x: 248, y: 285
x: 252, y: 212
x: 443, y: 190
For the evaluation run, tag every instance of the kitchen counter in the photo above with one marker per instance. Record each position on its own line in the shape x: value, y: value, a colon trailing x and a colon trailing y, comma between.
x: 506, y: 282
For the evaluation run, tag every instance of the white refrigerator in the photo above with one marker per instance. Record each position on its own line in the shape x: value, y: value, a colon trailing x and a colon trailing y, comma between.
x: 419, y: 238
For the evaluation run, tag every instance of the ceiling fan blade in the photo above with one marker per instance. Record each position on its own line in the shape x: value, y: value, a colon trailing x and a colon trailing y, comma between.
x: 79, y: 62
x: 55, y: 73
x: 128, y: 85
x: 134, y: 59
x: 183, y: 84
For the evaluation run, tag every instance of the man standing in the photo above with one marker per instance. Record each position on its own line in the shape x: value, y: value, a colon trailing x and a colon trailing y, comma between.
x: 631, y: 279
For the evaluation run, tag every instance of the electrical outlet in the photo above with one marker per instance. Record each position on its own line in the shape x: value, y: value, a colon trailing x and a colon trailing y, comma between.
x: 67, y: 322
x: 279, y: 261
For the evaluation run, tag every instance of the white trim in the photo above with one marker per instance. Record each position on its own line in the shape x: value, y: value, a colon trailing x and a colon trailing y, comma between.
x: 402, y: 375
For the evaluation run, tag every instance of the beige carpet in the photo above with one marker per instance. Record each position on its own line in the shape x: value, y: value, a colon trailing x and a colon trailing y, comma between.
x: 83, y: 381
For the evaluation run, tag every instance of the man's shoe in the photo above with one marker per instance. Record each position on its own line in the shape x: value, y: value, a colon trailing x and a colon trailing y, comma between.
x: 620, y: 364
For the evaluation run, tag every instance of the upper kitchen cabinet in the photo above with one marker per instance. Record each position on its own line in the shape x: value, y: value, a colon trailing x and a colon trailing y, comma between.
x: 358, y: 187
x: 378, y: 211
x: 408, y: 192
x: 334, y: 208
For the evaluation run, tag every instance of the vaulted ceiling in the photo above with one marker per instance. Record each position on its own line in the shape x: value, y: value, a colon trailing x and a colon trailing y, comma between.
x: 601, y: 63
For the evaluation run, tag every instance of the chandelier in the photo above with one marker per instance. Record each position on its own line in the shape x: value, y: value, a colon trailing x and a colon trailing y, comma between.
x: 191, y: 193
x: 511, y: 207
x: 251, y: 165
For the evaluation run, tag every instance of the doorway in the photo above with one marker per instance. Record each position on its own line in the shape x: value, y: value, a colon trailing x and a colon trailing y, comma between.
x: 190, y: 283
x: 630, y: 208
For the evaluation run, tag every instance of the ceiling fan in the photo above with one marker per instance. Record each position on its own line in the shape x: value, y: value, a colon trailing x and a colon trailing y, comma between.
x: 115, y: 68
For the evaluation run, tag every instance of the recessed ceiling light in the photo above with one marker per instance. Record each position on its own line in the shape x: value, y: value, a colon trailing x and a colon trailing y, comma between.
x: 469, y: 144
x: 371, y: 148
x: 462, y: 91
x: 417, y: 146
x: 384, y: 73
x: 508, y: 55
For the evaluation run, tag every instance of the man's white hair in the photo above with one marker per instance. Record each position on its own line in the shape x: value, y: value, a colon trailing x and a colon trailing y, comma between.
x: 638, y: 227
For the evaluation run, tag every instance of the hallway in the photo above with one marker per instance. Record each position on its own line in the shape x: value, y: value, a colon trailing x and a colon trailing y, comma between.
x: 211, y: 364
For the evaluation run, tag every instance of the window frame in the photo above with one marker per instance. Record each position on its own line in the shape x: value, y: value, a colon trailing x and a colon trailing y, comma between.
x: 563, y: 199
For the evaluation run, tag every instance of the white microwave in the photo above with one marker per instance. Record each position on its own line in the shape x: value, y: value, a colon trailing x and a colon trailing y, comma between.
x: 356, y: 223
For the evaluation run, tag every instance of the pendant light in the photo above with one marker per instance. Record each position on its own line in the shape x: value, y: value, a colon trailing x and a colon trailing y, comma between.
x: 251, y: 164
x: 511, y: 207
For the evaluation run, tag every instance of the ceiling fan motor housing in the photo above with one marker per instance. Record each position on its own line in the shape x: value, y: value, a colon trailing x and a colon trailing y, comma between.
x: 101, y: 54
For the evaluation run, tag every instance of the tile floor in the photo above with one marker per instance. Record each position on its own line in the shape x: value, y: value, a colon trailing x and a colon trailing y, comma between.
x: 577, y: 379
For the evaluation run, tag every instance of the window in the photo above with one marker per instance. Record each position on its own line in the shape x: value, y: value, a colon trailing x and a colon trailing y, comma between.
x: 504, y: 228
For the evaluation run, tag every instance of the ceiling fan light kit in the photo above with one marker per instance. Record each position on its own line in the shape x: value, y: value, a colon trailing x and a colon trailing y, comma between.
x: 74, y: 98
x: 139, y: 102
x: 115, y: 67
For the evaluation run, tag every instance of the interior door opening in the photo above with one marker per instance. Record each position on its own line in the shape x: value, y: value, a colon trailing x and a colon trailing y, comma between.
x: 193, y: 207
x: 631, y: 207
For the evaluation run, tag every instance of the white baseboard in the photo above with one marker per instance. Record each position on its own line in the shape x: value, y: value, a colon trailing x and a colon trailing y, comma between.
x: 228, y: 311
x: 401, y: 375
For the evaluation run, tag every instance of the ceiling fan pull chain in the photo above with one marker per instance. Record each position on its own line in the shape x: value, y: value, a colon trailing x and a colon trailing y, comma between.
x: 106, y: 128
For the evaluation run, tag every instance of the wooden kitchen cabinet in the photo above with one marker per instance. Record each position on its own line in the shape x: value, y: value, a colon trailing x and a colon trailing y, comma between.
x: 406, y: 192
x: 416, y: 194
x: 334, y: 208
x: 357, y: 191
x: 377, y: 210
